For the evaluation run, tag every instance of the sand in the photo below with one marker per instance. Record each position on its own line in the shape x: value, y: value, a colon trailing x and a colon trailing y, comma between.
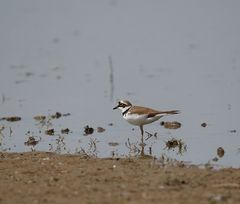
x: 38, y: 177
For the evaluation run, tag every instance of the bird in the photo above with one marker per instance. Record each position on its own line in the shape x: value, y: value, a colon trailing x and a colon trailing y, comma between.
x: 140, y: 116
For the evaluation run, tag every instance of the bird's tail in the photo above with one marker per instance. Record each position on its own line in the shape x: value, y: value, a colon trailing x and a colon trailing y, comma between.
x: 172, y: 112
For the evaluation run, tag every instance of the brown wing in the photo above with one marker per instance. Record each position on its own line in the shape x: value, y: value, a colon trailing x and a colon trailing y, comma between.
x: 151, y: 112
x: 172, y: 112
x: 143, y: 110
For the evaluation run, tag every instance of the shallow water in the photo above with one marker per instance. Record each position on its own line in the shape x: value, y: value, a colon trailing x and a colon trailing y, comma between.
x: 54, y: 56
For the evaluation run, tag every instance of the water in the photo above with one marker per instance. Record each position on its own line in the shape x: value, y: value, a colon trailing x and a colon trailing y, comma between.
x: 56, y: 56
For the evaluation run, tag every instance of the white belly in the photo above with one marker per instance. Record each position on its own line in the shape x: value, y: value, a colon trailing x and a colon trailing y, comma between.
x: 138, y: 120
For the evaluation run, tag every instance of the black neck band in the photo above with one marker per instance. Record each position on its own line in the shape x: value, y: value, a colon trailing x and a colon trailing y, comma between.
x: 125, y: 112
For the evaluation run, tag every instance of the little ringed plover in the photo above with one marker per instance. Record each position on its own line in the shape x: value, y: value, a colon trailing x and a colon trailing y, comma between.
x: 140, y: 116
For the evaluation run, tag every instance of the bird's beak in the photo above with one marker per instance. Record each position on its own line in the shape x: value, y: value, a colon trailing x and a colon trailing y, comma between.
x: 115, y: 107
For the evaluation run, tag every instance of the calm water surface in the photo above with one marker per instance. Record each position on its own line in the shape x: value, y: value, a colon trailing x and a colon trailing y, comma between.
x: 54, y: 57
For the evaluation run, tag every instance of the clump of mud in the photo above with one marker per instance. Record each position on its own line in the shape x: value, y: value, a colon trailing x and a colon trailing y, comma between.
x: 49, y: 132
x: 39, y: 117
x: 100, y: 129
x: 174, y: 143
x: 31, y: 141
x: 171, y: 125
x: 11, y: 118
x: 220, y: 152
x: 56, y: 115
x: 88, y: 130
x: 65, y: 131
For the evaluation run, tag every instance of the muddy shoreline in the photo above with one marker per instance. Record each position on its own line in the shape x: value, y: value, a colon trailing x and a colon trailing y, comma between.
x: 38, y: 177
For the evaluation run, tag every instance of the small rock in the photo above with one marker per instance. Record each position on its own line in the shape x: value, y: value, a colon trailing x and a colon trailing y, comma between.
x: 100, y: 129
x: 49, y: 132
x: 56, y: 115
x: 88, y: 130
x: 204, y: 124
x: 171, y: 125
x: 65, y: 131
x: 12, y: 118
x: 39, y: 117
x: 172, y: 143
x: 220, y: 152
x: 31, y: 141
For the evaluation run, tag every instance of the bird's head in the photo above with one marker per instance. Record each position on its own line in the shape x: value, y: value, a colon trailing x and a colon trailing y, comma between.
x: 123, y: 105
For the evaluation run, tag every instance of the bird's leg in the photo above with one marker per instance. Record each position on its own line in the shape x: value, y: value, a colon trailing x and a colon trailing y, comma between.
x: 141, y: 128
x: 142, y: 145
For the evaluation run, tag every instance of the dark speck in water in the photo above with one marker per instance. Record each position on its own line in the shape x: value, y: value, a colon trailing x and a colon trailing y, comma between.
x: 66, y: 114
x: 28, y: 74
x: 204, y: 124
x: 215, y: 159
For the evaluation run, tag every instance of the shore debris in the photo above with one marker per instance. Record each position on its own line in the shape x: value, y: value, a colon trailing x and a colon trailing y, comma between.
x: 113, y: 144
x: 171, y: 125
x: 220, y: 152
x: 56, y: 115
x: 65, y: 131
x: 88, y: 130
x: 11, y: 118
x: 174, y: 143
x: 39, y: 117
x: 31, y: 141
x: 49, y: 132
x: 100, y: 129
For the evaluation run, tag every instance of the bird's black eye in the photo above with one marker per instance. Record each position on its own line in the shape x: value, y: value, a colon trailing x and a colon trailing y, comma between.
x: 121, y: 105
